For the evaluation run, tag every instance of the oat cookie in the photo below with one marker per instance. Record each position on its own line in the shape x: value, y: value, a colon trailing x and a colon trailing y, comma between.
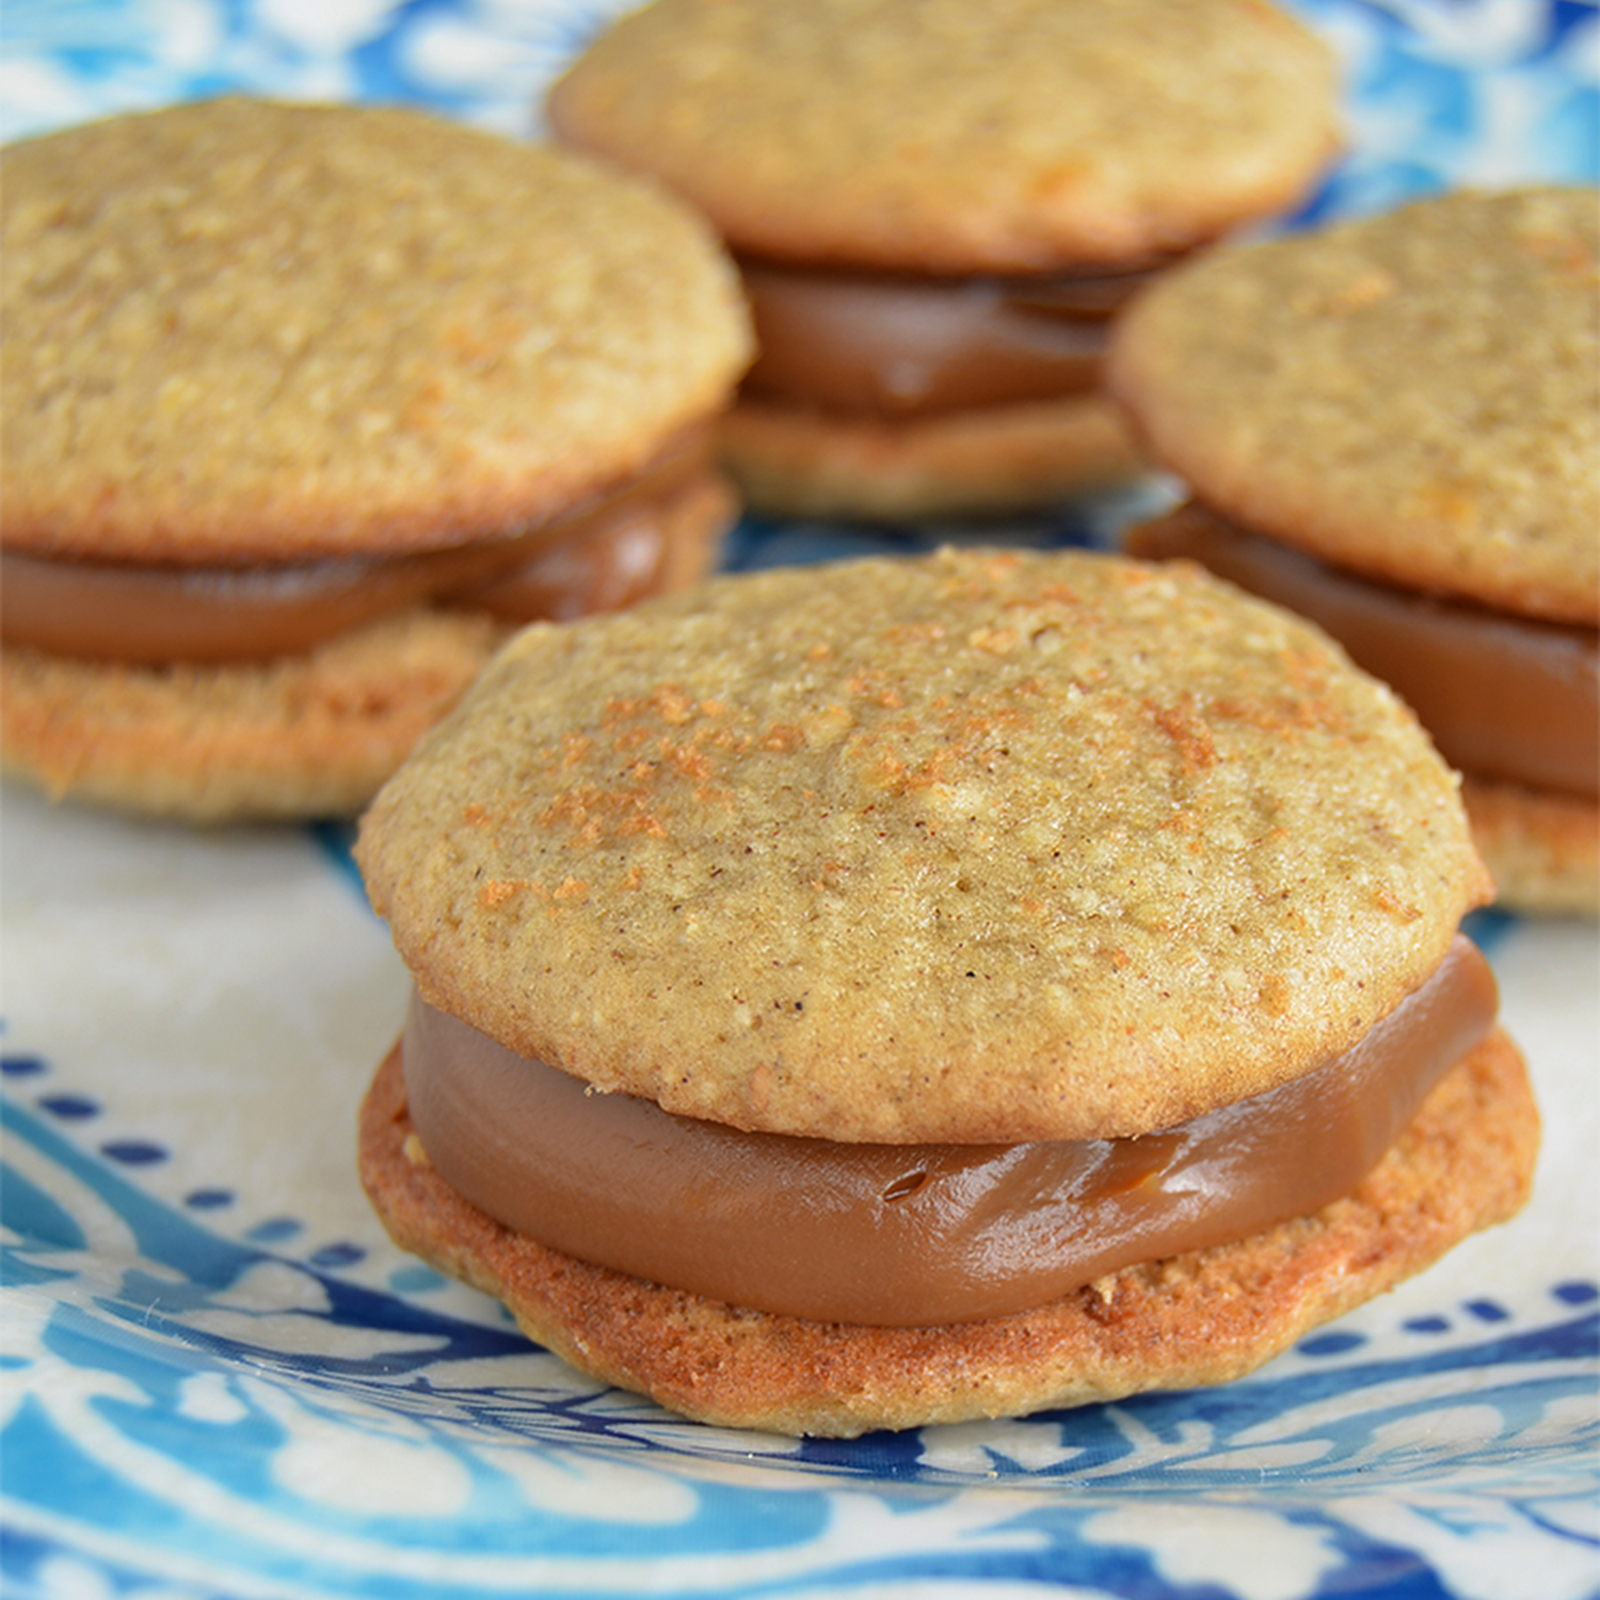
x: 959, y: 808
x: 1413, y: 399
x: 1007, y: 144
x: 955, y: 865
x: 248, y: 338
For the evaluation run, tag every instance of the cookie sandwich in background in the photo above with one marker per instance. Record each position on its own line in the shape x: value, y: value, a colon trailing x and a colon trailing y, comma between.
x: 306, y: 408
x: 937, y: 208
x: 888, y: 993
x: 1393, y: 426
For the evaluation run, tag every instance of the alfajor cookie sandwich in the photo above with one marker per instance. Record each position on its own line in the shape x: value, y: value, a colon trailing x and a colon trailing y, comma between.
x: 1393, y: 426
x: 306, y: 409
x: 938, y: 207
x: 891, y: 993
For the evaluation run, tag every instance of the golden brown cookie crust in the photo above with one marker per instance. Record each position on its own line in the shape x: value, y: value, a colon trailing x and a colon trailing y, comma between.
x: 1542, y: 849
x: 977, y: 847
x: 802, y: 463
x: 1412, y: 395
x: 1208, y: 1317
x: 308, y: 736
x: 241, y: 331
x: 998, y: 136
x: 312, y: 735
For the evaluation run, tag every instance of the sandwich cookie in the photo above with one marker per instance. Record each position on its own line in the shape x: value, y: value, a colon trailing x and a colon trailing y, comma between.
x: 307, y: 407
x: 889, y: 993
x: 1393, y: 426
x: 937, y: 208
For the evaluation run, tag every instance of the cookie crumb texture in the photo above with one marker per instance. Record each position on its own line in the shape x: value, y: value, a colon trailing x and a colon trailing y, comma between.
x: 1415, y: 395
x: 242, y: 330
x: 978, y: 848
x: 1003, y: 135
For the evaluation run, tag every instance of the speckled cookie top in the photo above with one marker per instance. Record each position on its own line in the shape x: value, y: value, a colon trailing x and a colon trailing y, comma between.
x: 243, y: 330
x: 976, y: 847
x: 961, y: 135
x: 1415, y: 395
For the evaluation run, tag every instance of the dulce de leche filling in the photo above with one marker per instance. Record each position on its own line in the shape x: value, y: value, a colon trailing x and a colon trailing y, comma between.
x: 914, y: 1235
x: 901, y: 346
x: 1502, y: 696
x: 599, y: 555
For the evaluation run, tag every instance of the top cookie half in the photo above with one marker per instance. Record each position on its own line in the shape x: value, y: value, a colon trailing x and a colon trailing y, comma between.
x: 242, y: 331
x: 975, y: 848
x: 960, y: 136
x: 1414, y: 395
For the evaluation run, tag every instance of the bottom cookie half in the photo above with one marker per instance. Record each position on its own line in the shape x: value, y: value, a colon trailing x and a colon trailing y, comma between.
x: 1542, y: 849
x: 1465, y: 1163
x: 961, y: 463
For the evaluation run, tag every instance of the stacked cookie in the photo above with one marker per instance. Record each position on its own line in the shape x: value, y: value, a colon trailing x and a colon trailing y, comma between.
x: 308, y: 407
x: 937, y: 209
x: 899, y: 992
x: 1393, y: 426
x: 887, y: 993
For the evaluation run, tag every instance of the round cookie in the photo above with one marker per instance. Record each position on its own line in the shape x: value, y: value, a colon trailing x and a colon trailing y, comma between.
x: 1022, y: 139
x: 978, y: 848
x: 1412, y: 399
x: 965, y: 851
x: 243, y: 336
x: 1010, y: 137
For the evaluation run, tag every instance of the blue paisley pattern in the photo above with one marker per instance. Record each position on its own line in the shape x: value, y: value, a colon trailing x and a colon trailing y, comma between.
x: 248, y: 1402
x: 202, y: 1400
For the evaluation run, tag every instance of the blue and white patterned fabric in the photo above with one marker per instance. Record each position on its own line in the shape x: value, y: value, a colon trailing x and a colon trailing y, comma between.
x: 219, y: 1380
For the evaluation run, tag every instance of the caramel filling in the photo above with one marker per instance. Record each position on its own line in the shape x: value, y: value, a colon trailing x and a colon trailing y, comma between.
x: 599, y: 555
x: 1502, y: 696
x: 880, y: 345
x: 915, y: 1235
